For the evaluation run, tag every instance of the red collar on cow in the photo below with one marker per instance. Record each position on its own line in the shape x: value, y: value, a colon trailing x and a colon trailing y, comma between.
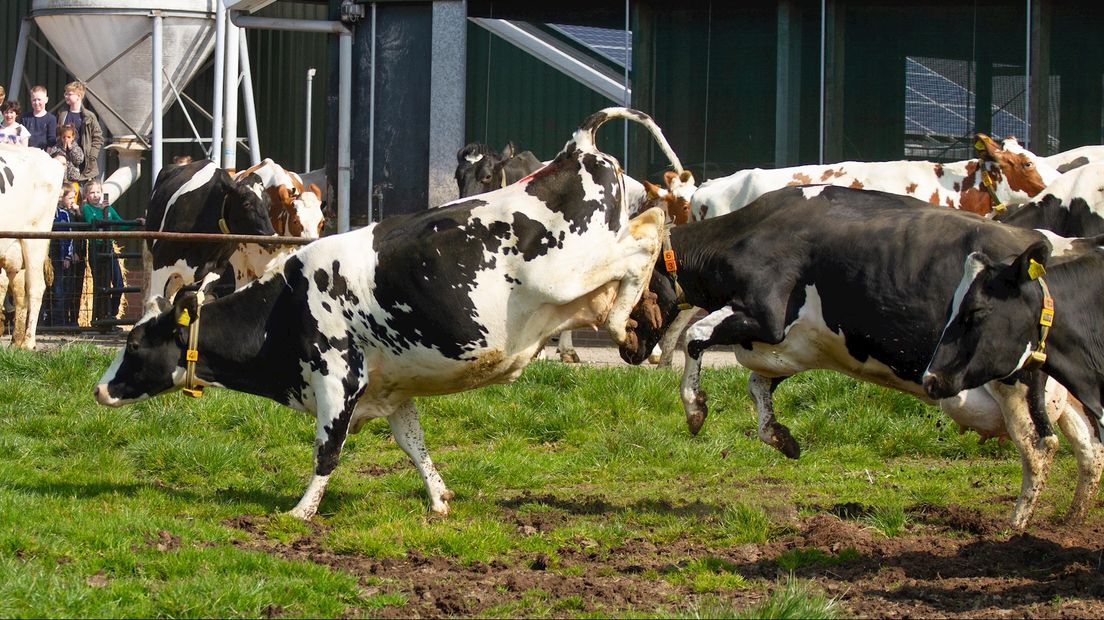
x: 1038, y: 357
x: 191, y: 355
x: 671, y: 265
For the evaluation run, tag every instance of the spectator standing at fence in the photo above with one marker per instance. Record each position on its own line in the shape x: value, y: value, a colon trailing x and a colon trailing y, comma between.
x: 11, y: 132
x: 42, y: 125
x: 67, y: 146
x: 89, y: 134
x: 107, y: 272
x: 61, y: 258
x: 75, y: 275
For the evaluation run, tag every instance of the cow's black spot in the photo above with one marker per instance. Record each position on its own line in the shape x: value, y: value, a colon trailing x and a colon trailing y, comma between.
x: 322, y: 280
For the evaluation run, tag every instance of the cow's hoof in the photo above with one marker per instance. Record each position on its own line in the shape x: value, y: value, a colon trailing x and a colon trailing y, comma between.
x: 653, y: 359
x: 784, y: 441
x: 301, y: 513
x: 695, y: 417
x: 569, y: 357
x: 1076, y: 514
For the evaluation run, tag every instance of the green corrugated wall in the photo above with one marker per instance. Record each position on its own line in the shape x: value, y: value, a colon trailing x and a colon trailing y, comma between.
x: 514, y: 96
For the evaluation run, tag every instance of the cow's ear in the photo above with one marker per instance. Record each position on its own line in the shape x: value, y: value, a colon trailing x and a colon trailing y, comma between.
x: 185, y: 309
x: 284, y: 194
x: 669, y: 178
x: 986, y: 148
x: 651, y: 190
x: 509, y: 150
x: 1029, y: 265
x: 317, y: 190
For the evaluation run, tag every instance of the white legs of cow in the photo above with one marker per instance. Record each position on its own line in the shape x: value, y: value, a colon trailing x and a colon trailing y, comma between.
x: 407, y: 430
x: 1036, y: 454
x: 27, y: 286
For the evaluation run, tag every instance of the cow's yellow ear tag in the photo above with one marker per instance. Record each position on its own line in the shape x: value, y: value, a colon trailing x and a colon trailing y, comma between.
x: 184, y: 319
x: 1036, y: 270
x: 979, y: 145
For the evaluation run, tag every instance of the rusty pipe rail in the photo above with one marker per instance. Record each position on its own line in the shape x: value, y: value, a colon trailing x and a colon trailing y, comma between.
x: 148, y: 234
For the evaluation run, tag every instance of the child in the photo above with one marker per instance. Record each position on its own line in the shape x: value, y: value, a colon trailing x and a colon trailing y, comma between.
x: 89, y: 135
x: 11, y: 132
x: 43, y: 126
x: 67, y: 147
x: 106, y: 270
x: 61, y: 256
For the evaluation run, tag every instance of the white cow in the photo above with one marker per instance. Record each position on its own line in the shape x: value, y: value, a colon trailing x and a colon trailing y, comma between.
x: 30, y: 181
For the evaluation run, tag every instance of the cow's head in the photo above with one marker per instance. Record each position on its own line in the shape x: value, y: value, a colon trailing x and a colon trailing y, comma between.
x: 479, y: 168
x: 993, y: 324
x: 1017, y: 174
x: 152, y: 362
x: 296, y: 211
x: 245, y: 205
x: 650, y: 318
x: 677, y: 209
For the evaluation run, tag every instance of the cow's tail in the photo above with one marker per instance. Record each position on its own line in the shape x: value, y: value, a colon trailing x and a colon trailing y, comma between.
x: 584, y: 136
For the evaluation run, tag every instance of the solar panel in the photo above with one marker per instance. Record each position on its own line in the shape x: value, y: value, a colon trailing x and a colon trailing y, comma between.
x: 606, y: 42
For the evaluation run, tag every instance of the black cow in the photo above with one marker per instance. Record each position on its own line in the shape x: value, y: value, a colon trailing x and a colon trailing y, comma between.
x: 835, y: 278
x: 479, y: 168
x: 355, y: 326
x: 199, y: 198
x: 999, y: 326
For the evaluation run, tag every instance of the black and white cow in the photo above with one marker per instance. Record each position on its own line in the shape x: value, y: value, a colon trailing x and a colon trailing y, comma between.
x: 998, y: 328
x: 199, y: 198
x: 480, y: 169
x: 354, y: 326
x: 1072, y: 206
x: 848, y: 280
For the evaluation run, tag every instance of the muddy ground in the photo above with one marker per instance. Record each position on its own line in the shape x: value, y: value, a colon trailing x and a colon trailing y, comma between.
x: 952, y: 562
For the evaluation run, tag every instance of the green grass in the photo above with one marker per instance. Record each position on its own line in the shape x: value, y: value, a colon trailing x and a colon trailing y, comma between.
x: 127, y: 512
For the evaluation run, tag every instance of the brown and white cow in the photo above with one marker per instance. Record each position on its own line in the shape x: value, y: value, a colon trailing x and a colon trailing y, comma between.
x: 30, y: 181
x: 295, y: 211
x: 1016, y: 174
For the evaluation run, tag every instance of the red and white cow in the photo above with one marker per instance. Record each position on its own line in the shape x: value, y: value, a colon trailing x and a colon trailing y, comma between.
x: 1017, y: 175
x: 295, y: 211
x: 30, y: 181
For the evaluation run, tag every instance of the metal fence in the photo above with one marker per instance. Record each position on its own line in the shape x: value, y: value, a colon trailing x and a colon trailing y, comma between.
x: 91, y: 290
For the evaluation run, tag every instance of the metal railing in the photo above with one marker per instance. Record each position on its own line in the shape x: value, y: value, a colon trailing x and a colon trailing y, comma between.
x: 71, y: 312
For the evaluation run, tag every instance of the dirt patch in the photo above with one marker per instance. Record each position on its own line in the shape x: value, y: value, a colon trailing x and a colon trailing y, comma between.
x: 952, y: 562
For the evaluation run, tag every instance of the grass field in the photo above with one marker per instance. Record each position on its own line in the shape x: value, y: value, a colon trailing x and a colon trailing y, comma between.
x: 573, y: 475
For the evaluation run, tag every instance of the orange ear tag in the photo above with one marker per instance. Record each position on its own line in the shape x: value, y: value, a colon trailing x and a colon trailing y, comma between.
x: 669, y: 260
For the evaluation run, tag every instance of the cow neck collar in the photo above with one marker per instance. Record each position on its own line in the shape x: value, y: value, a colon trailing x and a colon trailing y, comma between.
x: 191, y: 355
x: 1038, y: 357
x: 223, y: 226
x: 670, y: 263
x: 987, y: 179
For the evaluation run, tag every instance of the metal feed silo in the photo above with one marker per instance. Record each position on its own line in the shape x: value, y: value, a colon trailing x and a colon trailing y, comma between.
x: 111, y: 46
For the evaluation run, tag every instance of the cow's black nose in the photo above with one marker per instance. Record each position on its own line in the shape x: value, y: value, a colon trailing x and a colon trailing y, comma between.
x: 934, y: 385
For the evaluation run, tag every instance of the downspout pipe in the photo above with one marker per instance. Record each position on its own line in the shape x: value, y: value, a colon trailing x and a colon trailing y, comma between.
x: 217, y: 106
x: 250, y: 104
x: 345, y: 90
x: 157, y: 105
